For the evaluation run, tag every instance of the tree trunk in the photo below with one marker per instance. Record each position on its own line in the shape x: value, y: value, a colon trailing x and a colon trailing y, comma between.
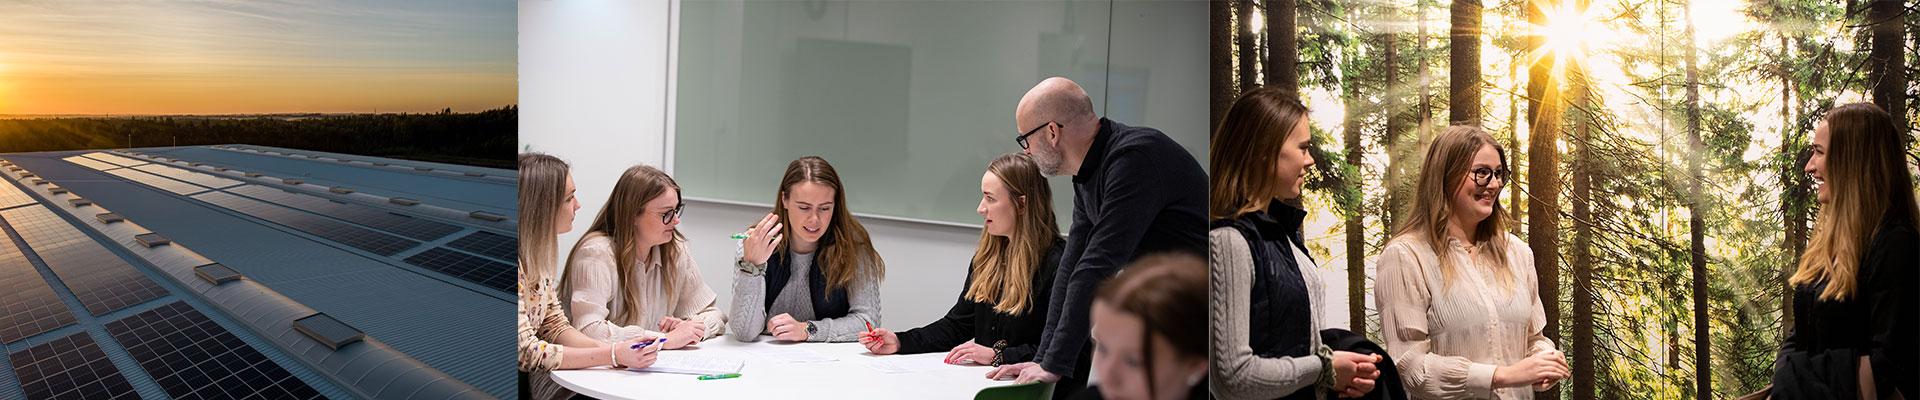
x: 1464, y: 82
x: 1583, y: 298
x: 1245, y: 46
x: 1697, y: 226
x: 1390, y: 214
x: 1283, y: 49
x: 1356, y: 227
x: 1885, y: 62
x: 1792, y: 212
x: 1543, y: 164
x: 1219, y: 60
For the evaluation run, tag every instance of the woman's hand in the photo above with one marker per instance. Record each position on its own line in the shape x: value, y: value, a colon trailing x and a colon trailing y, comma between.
x: 1022, y: 373
x: 880, y: 341
x: 1539, y: 368
x: 626, y: 356
x: 682, y: 333
x: 783, y: 327
x: 761, y: 239
x: 1354, y: 373
x: 970, y: 353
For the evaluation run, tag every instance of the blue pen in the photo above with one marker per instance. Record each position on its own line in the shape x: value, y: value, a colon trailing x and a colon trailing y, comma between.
x: 637, y: 346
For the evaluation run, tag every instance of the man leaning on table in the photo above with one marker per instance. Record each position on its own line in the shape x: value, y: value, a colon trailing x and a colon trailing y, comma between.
x: 1135, y: 192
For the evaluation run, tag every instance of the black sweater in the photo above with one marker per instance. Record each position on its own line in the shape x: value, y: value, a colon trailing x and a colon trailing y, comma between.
x: 1820, y: 357
x: 1137, y: 193
x: 977, y: 321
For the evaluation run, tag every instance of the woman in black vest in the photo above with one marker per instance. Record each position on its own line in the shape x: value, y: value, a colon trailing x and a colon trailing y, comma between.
x: 1267, y: 298
x: 808, y: 271
x: 1856, y: 333
x: 1003, y: 307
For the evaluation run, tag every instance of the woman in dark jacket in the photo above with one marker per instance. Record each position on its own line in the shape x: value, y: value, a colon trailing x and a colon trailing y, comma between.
x: 1856, y: 298
x: 1002, y: 311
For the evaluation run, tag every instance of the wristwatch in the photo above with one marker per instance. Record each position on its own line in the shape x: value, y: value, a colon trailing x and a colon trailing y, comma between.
x: 749, y: 268
x: 812, y: 329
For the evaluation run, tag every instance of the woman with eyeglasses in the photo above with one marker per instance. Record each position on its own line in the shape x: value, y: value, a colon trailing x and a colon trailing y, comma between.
x: 808, y: 271
x: 1856, y: 297
x: 1459, y: 303
x: 547, y: 341
x: 631, y: 275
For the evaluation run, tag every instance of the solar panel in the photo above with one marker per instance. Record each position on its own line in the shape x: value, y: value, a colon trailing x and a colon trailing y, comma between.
x: 101, y: 280
x: 362, y: 238
x: 27, y: 305
x: 157, y: 182
x: 489, y: 244
x: 71, y: 367
x: 489, y: 273
x: 114, y: 159
x: 11, y: 195
x: 417, y: 228
x: 189, y: 176
x: 193, y: 357
x: 91, y: 163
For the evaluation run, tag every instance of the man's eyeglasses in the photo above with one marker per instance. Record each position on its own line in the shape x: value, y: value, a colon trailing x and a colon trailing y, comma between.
x: 1483, y: 176
x: 1022, y: 139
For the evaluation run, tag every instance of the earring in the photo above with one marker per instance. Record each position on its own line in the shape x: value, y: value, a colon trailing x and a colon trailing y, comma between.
x: 1195, y: 378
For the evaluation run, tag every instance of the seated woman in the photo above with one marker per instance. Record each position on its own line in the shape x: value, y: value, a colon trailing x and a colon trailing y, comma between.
x: 808, y: 271
x: 1459, y: 303
x: 1150, y: 331
x: 1001, y: 313
x: 546, y: 341
x: 631, y: 275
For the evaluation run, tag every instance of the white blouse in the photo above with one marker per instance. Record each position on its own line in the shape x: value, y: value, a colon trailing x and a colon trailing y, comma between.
x: 597, y: 294
x: 1448, y: 337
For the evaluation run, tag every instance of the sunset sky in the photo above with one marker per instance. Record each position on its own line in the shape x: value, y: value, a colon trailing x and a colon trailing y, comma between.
x: 233, y: 57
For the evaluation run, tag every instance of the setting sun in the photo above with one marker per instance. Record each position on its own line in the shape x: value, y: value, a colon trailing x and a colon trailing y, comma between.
x: 1570, y: 34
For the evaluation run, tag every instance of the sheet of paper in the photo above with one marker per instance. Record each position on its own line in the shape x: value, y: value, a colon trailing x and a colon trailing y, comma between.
x: 793, y: 355
x: 903, y: 365
x: 685, y: 362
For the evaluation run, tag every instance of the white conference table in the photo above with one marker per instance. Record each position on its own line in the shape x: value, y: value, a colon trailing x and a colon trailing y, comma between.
x: 849, y: 376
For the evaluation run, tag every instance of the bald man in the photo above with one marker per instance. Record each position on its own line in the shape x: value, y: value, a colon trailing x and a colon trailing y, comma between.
x: 1135, y: 192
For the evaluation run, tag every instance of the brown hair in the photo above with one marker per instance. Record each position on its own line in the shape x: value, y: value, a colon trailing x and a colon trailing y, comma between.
x: 1867, y: 176
x: 543, y: 190
x: 1003, y: 267
x: 637, y: 186
x: 1447, y: 162
x: 1168, y: 291
x: 1241, y: 157
x: 852, y: 251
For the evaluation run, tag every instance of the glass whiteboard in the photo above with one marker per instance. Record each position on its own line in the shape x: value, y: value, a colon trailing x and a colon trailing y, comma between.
x: 909, y: 100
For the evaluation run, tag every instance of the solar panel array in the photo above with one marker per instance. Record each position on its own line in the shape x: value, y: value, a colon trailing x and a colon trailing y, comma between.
x: 189, y: 176
x: 11, y: 196
x: 91, y: 163
x: 417, y: 228
x: 493, y: 274
x: 71, y: 367
x: 177, y: 187
x: 362, y: 238
x: 101, y: 280
x: 193, y: 357
x: 114, y: 159
x: 489, y: 244
x: 28, y: 305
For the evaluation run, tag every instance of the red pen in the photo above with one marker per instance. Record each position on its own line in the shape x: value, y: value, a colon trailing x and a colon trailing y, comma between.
x: 869, y: 333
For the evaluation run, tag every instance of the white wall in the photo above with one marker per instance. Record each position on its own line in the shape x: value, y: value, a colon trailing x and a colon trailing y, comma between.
x: 594, y: 90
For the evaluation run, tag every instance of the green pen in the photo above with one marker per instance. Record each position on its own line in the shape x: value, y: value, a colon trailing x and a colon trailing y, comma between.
x: 739, y: 236
x: 719, y: 376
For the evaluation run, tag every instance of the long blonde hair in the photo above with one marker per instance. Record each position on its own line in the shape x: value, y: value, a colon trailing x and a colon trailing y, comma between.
x: 1003, y: 267
x: 1241, y: 158
x: 1447, y: 162
x: 543, y: 190
x: 851, y: 253
x: 616, y: 222
x: 1864, y: 156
